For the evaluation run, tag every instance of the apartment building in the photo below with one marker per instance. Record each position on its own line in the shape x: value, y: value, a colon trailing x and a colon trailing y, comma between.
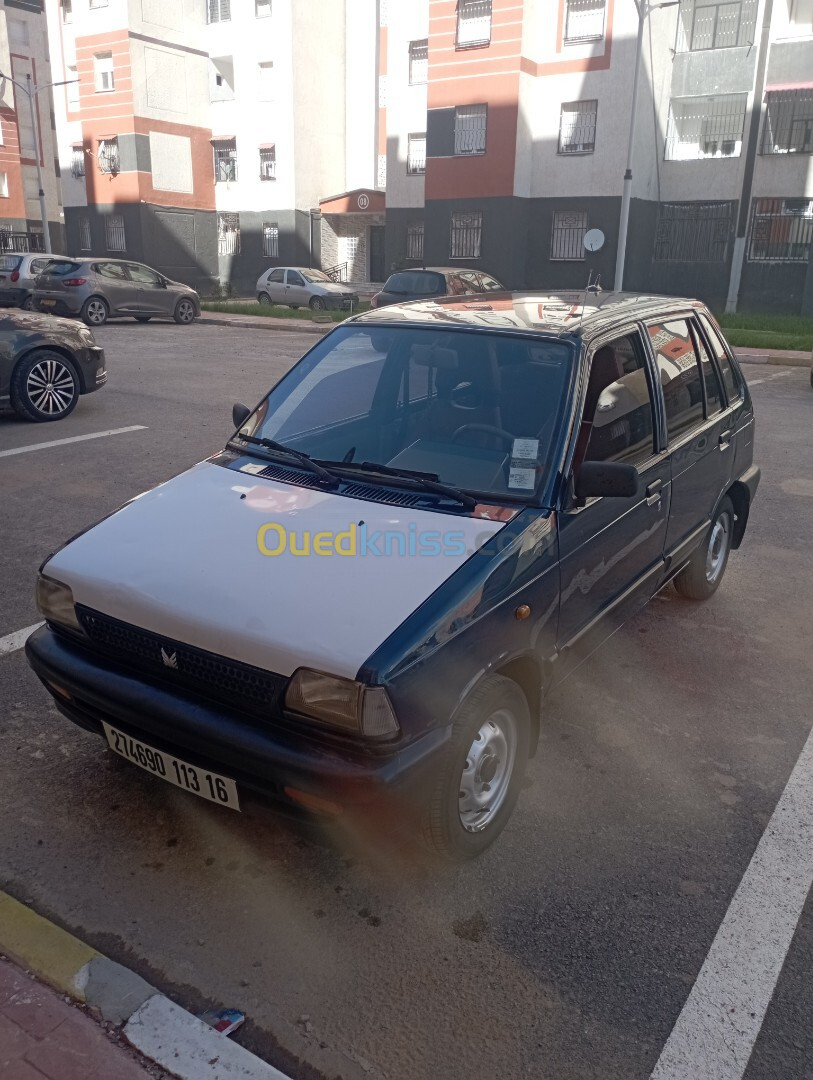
x: 213, y: 138
x: 24, y: 53
x: 507, y: 126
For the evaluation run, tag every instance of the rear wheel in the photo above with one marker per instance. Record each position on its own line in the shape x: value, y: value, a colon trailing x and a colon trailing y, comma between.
x: 142, y: 318
x: 699, y: 579
x: 28, y: 303
x: 317, y: 303
x: 184, y: 312
x: 480, y: 779
x: 95, y: 311
x: 264, y: 298
x: 44, y: 386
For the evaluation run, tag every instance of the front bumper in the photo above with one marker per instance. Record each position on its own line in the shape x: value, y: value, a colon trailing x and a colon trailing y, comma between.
x: 263, y: 761
x: 94, y: 367
x: 57, y: 303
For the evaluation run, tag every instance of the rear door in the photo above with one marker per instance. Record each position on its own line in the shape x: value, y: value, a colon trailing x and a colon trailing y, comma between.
x: 113, y: 282
x: 296, y: 289
x: 611, y: 549
x: 698, y: 437
x: 153, y: 296
x: 275, y: 286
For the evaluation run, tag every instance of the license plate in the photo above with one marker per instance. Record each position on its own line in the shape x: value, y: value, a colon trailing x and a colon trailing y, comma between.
x: 47, y: 303
x: 209, y: 785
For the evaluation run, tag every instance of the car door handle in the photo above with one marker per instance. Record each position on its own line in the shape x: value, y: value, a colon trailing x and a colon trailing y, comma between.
x: 653, y: 492
x: 725, y: 439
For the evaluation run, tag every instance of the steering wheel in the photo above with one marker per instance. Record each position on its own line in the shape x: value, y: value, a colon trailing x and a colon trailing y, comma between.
x: 486, y: 429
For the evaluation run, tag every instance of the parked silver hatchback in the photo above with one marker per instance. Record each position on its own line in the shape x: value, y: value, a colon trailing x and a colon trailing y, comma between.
x: 18, y: 275
x: 102, y: 289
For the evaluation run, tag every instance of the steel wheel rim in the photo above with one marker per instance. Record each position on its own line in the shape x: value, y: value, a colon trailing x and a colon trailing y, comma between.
x: 96, y: 311
x: 487, y: 771
x: 186, y: 312
x: 318, y: 304
x: 264, y: 298
x: 718, y: 547
x: 50, y: 387
x: 28, y: 303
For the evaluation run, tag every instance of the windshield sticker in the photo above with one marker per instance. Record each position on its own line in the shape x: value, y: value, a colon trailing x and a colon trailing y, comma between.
x: 525, y: 449
x: 522, y: 473
x: 255, y: 470
x: 522, y: 477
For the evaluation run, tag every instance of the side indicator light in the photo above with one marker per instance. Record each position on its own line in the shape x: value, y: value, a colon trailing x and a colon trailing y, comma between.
x: 313, y: 802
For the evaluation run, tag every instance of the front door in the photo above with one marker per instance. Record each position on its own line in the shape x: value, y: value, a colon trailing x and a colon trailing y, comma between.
x: 153, y: 296
x: 611, y: 549
x: 119, y: 291
x: 296, y: 291
x: 378, y: 268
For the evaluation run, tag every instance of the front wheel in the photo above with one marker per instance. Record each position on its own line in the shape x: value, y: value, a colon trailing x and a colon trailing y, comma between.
x: 316, y: 303
x: 28, y: 303
x: 484, y: 762
x: 701, y: 576
x: 184, y: 312
x: 44, y: 386
x: 95, y: 311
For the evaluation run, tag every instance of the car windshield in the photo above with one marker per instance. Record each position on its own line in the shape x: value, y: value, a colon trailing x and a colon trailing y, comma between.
x: 477, y: 411
x: 315, y: 276
x: 10, y: 262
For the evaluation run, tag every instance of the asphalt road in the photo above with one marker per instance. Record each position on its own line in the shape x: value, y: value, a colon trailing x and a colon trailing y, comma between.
x: 569, y: 949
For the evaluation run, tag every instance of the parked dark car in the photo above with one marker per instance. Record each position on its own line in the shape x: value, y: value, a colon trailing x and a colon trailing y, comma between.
x: 102, y: 289
x: 433, y: 281
x: 46, y: 364
x: 496, y: 488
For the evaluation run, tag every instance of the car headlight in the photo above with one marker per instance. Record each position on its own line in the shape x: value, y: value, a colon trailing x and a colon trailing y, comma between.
x: 55, y: 603
x: 86, y: 335
x: 342, y: 703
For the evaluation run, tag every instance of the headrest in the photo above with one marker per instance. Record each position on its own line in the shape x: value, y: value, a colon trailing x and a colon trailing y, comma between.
x: 433, y: 356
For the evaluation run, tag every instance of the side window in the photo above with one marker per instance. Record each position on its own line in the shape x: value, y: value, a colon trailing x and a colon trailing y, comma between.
x: 471, y: 281
x: 711, y: 380
x: 294, y: 278
x: 38, y: 265
x: 617, y: 419
x: 490, y: 284
x: 277, y: 277
x: 456, y: 285
x: 680, y: 375
x: 143, y: 274
x: 730, y: 379
x: 114, y: 271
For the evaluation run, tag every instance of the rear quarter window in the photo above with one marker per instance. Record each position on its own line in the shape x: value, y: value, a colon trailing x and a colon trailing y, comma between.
x: 731, y: 380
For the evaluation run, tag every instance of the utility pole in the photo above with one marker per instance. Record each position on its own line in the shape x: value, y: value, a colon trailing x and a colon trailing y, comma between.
x: 644, y: 9
x: 32, y: 91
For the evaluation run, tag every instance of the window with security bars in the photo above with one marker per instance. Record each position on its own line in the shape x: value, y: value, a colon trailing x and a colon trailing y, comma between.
x: 584, y: 20
x: 467, y: 235
x: 114, y: 233
x: 108, y: 156
x: 271, y: 239
x: 418, y: 62
x: 416, y: 153
x: 225, y: 160
x: 577, y: 127
x: 694, y: 232
x: 77, y: 161
x: 268, y: 163
x: 414, y: 245
x: 781, y: 230
x: 84, y: 234
x: 473, y: 22
x: 218, y: 11
x: 228, y: 234
x: 470, y: 129
x: 709, y: 24
x: 705, y: 127
x: 788, y: 122
x: 567, y: 235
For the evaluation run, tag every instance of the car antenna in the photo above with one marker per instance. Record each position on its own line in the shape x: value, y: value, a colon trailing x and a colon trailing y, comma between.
x: 594, y: 287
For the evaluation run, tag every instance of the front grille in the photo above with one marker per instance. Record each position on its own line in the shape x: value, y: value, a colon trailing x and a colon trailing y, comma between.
x: 290, y: 476
x: 241, y: 687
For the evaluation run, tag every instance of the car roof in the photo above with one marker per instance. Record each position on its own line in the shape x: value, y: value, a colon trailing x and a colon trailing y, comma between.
x: 446, y: 270
x: 566, y: 312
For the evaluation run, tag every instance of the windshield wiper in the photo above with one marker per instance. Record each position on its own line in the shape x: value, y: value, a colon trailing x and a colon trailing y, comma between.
x: 426, y: 481
x: 325, y: 475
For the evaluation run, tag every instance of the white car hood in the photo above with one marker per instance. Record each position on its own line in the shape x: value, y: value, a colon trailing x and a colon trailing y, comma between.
x: 332, y: 287
x: 183, y: 561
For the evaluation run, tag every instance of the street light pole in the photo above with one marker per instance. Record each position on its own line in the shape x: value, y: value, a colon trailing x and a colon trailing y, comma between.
x: 32, y: 91
x: 644, y: 9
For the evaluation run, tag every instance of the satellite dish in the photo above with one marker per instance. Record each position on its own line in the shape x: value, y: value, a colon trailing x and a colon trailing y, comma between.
x: 593, y: 240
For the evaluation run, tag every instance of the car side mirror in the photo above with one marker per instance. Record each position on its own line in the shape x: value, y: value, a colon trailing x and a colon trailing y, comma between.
x: 606, y: 480
x: 239, y: 414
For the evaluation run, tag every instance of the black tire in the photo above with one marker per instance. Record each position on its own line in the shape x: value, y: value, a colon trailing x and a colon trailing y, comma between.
x: 701, y: 576
x: 264, y: 299
x: 95, y: 311
x: 316, y: 303
x: 44, y: 386
x: 493, y: 703
x: 142, y: 318
x: 185, y: 312
x: 28, y: 303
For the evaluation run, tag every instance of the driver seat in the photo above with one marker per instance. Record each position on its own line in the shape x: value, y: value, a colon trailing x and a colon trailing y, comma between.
x: 466, y: 392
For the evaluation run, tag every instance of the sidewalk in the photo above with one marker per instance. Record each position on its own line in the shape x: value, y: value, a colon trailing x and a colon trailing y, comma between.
x: 44, y: 1038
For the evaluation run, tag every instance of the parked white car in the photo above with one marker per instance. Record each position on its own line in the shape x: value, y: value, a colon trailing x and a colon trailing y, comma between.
x: 18, y: 277
x: 298, y: 286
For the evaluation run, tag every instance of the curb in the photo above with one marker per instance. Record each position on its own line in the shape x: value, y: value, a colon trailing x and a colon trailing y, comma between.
x: 159, y: 1029
x: 775, y: 359
x: 244, y: 324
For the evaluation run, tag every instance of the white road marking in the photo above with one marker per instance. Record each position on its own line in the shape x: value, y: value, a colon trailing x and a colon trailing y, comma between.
x: 72, y: 439
x: 15, y: 641
x: 778, y: 375
x: 719, y: 1024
